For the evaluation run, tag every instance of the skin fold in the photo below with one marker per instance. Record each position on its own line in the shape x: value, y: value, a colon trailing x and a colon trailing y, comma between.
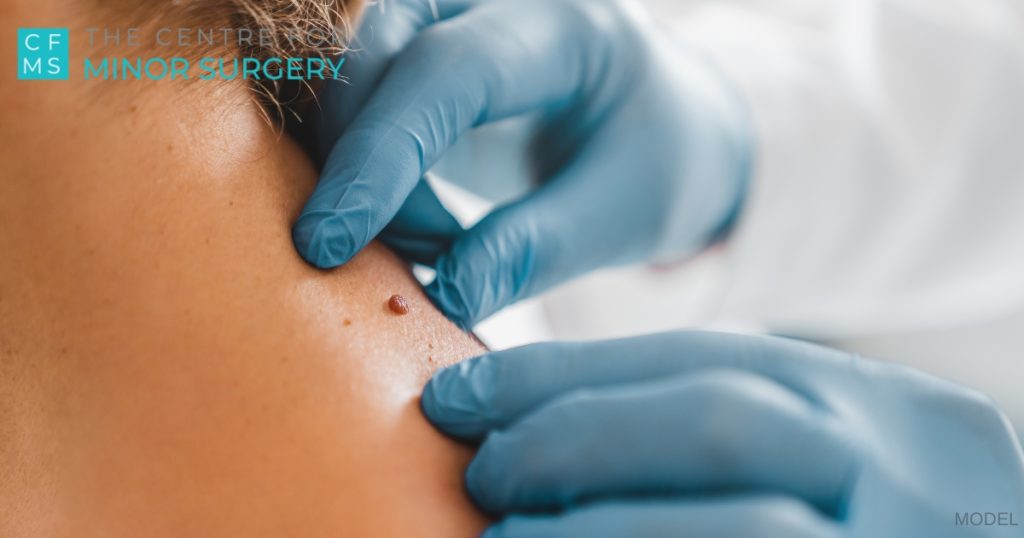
x: 169, y: 366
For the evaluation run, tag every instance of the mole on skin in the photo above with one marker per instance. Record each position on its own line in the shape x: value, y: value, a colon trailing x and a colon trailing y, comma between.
x: 398, y: 305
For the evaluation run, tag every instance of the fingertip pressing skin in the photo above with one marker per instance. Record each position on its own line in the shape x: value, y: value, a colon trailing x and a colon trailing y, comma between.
x: 447, y: 299
x: 465, y: 401
x: 317, y: 245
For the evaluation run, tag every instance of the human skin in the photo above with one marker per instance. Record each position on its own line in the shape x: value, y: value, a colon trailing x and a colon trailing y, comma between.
x: 168, y: 364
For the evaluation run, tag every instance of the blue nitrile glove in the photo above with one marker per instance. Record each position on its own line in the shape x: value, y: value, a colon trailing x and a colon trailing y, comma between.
x: 706, y: 434
x: 424, y: 227
x: 642, y: 149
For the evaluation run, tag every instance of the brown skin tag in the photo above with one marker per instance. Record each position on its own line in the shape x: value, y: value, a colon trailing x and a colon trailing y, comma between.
x: 398, y: 305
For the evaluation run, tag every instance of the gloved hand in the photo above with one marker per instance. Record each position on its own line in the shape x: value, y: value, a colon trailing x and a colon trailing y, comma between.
x: 642, y: 149
x: 704, y: 434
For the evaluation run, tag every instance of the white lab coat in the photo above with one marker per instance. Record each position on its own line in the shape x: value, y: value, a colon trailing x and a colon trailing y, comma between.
x: 889, y: 193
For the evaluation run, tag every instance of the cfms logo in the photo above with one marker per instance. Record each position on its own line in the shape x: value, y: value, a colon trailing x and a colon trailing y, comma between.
x: 43, y: 54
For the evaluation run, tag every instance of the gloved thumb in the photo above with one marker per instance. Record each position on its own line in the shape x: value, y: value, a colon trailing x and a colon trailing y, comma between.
x: 525, y: 249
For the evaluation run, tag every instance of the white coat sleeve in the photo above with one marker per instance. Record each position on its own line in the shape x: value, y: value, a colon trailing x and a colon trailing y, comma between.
x: 888, y: 192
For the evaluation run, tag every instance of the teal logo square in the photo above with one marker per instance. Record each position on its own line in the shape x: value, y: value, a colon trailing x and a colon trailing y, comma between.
x: 43, y: 53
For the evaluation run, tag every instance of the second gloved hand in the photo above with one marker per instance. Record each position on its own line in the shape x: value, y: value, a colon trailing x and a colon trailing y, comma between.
x: 642, y: 150
x: 716, y: 435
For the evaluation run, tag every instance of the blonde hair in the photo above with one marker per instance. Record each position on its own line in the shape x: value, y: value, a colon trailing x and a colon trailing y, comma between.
x: 298, y: 28
x: 288, y: 29
x: 317, y: 27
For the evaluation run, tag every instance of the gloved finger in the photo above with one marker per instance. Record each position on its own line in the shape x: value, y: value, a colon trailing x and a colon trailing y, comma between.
x: 709, y: 432
x: 559, y: 232
x: 490, y: 392
x: 729, y: 517
x: 423, y: 228
x: 455, y: 75
x: 385, y: 28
